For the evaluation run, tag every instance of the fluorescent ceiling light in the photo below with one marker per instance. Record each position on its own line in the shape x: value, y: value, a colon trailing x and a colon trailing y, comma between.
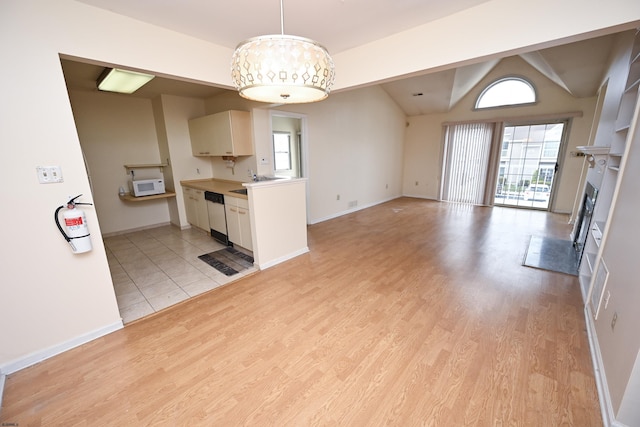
x: 122, y: 81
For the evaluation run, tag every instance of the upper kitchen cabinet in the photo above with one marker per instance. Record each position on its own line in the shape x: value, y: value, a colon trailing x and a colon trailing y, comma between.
x: 222, y: 134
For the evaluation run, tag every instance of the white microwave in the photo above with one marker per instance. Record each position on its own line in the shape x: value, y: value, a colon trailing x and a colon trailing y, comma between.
x: 147, y: 187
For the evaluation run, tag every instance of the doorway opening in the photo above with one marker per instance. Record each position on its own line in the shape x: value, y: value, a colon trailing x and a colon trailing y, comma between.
x: 287, y: 145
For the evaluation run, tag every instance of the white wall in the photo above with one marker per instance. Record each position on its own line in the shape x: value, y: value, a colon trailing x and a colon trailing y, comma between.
x: 172, y: 114
x: 619, y: 347
x: 49, y: 312
x: 355, y: 143
x: 115, y: 130
x: 423, y: 147
x: 54, y: 299
x: 282, y: 207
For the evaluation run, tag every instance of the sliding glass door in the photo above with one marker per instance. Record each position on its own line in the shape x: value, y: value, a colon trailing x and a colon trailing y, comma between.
x: 528, y: 165
x: 506, y: 165
x: 467, y: 154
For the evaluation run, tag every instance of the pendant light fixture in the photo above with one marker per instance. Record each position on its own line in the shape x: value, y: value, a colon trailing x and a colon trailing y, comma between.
x: 282, y: 69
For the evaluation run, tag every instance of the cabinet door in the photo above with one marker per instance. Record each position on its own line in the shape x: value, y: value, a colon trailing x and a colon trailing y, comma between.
x: 201, y: 210
x: 190, y: 205
x: 241, y: 133
x: 222, y: 134
x: 211, y: 135
x: 244, y: 224
x: 233, y: 224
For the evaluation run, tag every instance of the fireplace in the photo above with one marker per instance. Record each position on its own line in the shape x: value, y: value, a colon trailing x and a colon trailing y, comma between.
x: 583, y: 223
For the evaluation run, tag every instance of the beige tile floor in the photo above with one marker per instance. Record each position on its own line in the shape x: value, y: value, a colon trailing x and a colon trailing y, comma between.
x: 155, y: 268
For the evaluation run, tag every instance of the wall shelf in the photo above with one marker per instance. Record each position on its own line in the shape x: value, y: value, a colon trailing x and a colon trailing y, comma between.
x: 145, y: 166
x: 593, y: 149
x: 129, y: 198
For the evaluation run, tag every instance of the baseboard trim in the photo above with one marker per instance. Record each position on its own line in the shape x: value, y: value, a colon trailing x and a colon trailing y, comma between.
x: 284, y: 258
x: 2, y: 378
x: 348, y: 211
x: 606, y: 409
x: 135, y: 229
x: 420, y: 196
x: 39, y: 356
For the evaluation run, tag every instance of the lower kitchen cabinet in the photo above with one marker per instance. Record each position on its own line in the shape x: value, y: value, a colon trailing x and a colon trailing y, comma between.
x: 189, y: 205
x: 238, y: 222
x: 196, y: 208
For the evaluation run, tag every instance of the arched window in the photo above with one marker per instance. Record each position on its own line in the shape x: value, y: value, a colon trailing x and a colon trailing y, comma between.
x: 507, y: 91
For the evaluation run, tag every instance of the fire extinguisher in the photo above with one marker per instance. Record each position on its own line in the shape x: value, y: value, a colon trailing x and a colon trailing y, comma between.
x: 75, y: 221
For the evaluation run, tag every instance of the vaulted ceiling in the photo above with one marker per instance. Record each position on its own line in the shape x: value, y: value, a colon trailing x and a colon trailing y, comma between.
x: 577, y: 67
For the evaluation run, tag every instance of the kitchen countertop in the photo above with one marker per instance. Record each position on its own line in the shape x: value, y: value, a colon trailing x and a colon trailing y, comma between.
x: 217, y: 186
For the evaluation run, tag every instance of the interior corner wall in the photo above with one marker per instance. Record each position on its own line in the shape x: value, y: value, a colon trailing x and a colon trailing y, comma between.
x: 172, y: 115
x: 354, y: 148
x: 424, y: 142
x: 115, y: 130
x: 355, y: 151
x: 423, y: 156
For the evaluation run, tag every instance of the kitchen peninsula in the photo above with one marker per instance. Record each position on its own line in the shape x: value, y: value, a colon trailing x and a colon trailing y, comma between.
x: 277, y: 215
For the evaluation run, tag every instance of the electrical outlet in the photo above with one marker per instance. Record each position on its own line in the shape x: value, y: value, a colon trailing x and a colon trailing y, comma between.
x: 614, y: 320
x: 49, y: 174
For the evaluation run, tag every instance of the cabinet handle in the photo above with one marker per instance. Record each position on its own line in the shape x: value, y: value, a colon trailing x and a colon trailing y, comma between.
x: 229, y: 152
x: 204, y: 152
x: 241, y: 212
x: 232, y: 210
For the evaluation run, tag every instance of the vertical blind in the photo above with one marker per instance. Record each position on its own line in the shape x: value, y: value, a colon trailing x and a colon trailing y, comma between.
x: 466, y: 162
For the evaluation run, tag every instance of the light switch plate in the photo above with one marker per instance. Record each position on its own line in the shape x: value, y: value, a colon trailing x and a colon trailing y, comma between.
x: 49, y: 174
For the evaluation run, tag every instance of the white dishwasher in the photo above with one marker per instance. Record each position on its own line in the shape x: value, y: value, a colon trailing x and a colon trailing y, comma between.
x: 217, y: 216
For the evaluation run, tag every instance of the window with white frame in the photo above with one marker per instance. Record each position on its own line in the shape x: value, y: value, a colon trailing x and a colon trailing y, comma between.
x: 507, y: 91
x: 282, y: 150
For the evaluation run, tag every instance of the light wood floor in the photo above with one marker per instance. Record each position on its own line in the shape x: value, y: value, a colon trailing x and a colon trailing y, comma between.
x: 408, y: 313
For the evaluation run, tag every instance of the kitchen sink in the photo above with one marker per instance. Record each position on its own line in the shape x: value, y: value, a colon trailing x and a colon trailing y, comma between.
x: 240, y: 191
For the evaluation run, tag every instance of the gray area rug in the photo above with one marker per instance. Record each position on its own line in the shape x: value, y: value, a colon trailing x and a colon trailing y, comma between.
x: 552, y: 254
x: 228, y: 261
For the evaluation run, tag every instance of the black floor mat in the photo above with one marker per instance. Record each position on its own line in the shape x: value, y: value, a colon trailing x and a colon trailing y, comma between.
x: 228, y: 261
x: 552, y: 254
